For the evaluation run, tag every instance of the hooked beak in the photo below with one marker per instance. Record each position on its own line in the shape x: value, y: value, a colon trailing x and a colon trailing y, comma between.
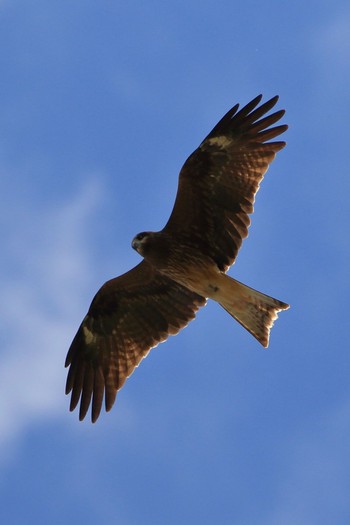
x: 135, y: 244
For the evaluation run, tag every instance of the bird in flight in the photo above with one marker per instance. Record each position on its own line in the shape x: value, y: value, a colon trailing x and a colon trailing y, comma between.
x: 184, y: 264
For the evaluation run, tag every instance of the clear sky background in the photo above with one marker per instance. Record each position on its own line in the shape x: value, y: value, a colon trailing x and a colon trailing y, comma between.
x: 100, y: 104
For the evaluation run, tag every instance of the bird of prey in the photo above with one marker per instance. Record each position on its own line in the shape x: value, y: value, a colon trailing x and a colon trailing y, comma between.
x: 184, y: 264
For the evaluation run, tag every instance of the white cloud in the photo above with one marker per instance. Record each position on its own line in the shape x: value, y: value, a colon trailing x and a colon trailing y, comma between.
x: 47, y: 269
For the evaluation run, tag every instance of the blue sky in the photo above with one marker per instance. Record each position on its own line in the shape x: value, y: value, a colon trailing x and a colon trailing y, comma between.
x: 101, y: 103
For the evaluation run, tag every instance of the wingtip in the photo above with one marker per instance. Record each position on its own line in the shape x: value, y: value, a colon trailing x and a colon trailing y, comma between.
x: 278, y: 145
x: 94, y: 418
x: 273, y: 100
x: 82, y: 412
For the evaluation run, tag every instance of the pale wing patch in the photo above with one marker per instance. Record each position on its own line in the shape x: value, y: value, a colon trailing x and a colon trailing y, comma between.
x: 222, y: 141
x: 89, y: 337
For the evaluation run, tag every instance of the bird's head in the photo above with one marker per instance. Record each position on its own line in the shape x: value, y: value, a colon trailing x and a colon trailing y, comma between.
x: 141, y: 241
x: 153, y: 246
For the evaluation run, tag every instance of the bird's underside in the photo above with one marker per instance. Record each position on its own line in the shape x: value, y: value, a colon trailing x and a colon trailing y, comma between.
x: 184, y: 264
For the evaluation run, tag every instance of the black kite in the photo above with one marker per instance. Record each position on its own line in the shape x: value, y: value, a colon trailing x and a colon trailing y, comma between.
x: 184, y: 264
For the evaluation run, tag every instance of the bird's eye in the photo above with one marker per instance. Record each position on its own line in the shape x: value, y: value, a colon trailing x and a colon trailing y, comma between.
x: 140, y: 236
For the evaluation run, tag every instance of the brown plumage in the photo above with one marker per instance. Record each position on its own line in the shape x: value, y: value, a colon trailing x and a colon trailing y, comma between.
x: 184, y: 264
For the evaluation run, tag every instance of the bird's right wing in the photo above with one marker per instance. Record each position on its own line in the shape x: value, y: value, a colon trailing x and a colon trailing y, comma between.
x: 219, y: 181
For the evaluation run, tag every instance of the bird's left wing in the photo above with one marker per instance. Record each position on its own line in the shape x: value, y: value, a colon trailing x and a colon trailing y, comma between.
x: 128, y: 316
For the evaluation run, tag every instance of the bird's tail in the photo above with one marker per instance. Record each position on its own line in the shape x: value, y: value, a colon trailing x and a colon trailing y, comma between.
x: 252, y: 309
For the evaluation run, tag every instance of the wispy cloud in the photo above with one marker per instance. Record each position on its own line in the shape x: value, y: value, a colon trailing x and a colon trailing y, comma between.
x: 48, y: 268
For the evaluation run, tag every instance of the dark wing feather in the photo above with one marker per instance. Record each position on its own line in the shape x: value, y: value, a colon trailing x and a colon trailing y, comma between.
x: 218, y: 182
x: 128, y: 316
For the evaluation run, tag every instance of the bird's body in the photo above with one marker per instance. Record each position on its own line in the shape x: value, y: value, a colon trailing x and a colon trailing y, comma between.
x: 184, y: 264
x: 197, y: 272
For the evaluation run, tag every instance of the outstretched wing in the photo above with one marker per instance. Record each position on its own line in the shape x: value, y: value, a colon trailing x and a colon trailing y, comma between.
x: 218, y: 182
x: 128, y: 316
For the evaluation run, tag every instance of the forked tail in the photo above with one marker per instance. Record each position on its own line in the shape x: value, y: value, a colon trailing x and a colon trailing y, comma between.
x: 252, y: 309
